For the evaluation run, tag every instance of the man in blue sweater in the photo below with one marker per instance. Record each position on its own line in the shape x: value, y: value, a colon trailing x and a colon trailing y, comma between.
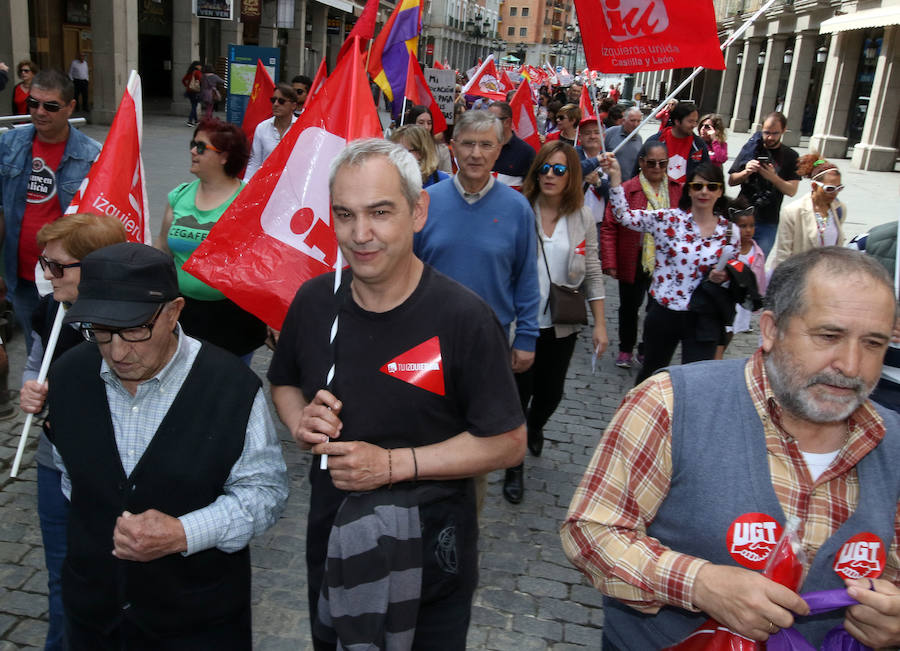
x: 481, y: 233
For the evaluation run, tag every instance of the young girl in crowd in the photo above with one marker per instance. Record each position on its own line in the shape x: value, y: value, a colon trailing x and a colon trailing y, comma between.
x: 712, y: 130
x: 753, y: 256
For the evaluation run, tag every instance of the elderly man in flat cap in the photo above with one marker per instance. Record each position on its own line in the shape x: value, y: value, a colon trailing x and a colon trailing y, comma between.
x: 171, y: 463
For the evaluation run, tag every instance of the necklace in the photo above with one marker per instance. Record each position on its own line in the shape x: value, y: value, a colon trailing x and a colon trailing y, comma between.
x: 822, y: 224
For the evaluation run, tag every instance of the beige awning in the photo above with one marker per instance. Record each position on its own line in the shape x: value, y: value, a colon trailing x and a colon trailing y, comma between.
x: 880, y: 17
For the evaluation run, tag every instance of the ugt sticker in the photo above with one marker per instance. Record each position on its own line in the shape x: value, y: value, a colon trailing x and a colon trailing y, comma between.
x: 863, y: 556
x: 751, y: 538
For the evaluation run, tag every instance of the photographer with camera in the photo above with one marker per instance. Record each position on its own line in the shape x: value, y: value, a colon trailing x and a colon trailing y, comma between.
x: 766, y: 170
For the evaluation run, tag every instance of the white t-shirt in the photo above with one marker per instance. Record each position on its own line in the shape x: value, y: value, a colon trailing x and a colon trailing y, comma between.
x: 556, y: 248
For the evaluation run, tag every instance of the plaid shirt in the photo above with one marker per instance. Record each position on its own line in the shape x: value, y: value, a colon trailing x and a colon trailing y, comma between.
x: 628, y: 478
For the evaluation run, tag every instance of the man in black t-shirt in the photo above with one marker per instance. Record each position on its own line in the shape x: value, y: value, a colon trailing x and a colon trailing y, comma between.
x: 423, y: 399
x: 766, y: 170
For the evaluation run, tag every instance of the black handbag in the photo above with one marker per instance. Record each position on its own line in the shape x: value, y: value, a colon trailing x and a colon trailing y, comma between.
x: 566, y: 304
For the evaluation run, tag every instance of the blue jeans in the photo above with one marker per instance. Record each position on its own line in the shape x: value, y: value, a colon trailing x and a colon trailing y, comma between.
x: 53, y: 512
x: 765, y: 236
x: 194, y: 99
x: 25, y: 299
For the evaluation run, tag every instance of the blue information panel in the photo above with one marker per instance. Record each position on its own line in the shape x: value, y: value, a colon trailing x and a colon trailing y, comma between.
x: 242, y: 72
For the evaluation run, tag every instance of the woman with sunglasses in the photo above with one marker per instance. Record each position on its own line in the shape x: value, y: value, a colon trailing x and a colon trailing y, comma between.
x: 218, y: 154
x: 689, y: 240
x: 567, y: 120
x: 26, y: 70
x: 630, y: 256
x: 815, y: 219
x: 64, y: 242
x: 712, y: 130
x: 566, y: 255
x: 270, y: 132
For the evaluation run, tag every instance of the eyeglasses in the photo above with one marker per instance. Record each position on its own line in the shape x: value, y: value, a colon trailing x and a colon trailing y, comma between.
x: 712, y: 186
x: 561, y: 117
x: 201, y: 147
x: 57, y: 269
x: 471, y: 144
x: 281, y: 100
x: 133, y: 334
x: 829, y: 188
x: 558, y: 170
x: 772, y: 134
x: 21, y: 70
x: 661, y: 164
x: 51, y: 107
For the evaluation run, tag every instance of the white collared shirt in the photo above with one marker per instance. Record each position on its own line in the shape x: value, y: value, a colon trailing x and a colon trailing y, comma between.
x: 265, y: 139
x: 473, y: 197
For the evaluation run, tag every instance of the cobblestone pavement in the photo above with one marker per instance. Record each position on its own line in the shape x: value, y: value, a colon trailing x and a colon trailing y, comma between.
x: 529, y: 595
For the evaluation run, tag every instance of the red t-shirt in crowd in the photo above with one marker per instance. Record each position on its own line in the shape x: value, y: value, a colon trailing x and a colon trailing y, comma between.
x: 41, y: 203
x: 679, y: 151
x: 20, y: 95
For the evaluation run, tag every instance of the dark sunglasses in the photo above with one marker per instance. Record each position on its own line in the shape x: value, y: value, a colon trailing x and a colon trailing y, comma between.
x: 558, y: 170
x: 51, y: 107
x: 661, y: 164
x: 201, y: 147
x: 561, y: 117
x: 24, y: 70
x: 712, y: 186
x: 56, y: 269
x: 282, y: 101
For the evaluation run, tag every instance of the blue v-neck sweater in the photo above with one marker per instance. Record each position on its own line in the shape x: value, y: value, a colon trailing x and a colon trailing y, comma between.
x: 490, y: 247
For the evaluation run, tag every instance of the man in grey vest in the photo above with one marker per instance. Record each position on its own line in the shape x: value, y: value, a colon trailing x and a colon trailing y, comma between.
x: 702, y: 465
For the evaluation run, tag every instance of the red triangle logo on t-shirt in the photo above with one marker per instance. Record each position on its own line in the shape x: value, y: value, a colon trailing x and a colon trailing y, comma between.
x: 580, y: 249
x: 420, y: 366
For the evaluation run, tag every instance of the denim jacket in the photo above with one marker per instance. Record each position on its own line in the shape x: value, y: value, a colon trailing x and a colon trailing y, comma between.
x: 15, y: 165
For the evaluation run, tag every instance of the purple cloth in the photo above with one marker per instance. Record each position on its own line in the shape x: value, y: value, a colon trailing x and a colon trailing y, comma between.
x: 838, y: 639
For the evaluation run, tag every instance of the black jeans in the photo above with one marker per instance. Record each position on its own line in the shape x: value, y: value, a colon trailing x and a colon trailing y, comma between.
x: 631, y: 296
x: 664, y: 329
x: 542, y: 384
x: 231, y: 635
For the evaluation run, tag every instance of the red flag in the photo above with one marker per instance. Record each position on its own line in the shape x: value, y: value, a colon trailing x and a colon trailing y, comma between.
x: 418, y: 92
x: 438, y: 66
x: 259, y: 107
x: 507, y: 82
x: 640, y: 35
x: 277, y: 233
x: 486, y: 81
x: 524, y: 123
x: 364, y: 29
x: 115, y: 184
x: 318, y: 80
x: 585, y: 104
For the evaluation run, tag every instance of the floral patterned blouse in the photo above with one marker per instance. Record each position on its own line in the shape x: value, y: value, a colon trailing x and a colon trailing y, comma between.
x: 683, y: 256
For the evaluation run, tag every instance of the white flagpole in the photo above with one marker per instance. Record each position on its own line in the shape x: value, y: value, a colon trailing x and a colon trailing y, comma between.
x: 743, y: 28
x: 329, y: 381
x: 41, y: 378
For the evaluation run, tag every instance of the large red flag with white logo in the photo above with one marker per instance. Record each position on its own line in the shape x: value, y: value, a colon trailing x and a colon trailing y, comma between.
x: 524, y: 123
x: 115, y: 184
x: 639, y: 35
x: 278, y: 233
x: 418, y: 92
x: 259, y: 107
x: 485, y: 81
